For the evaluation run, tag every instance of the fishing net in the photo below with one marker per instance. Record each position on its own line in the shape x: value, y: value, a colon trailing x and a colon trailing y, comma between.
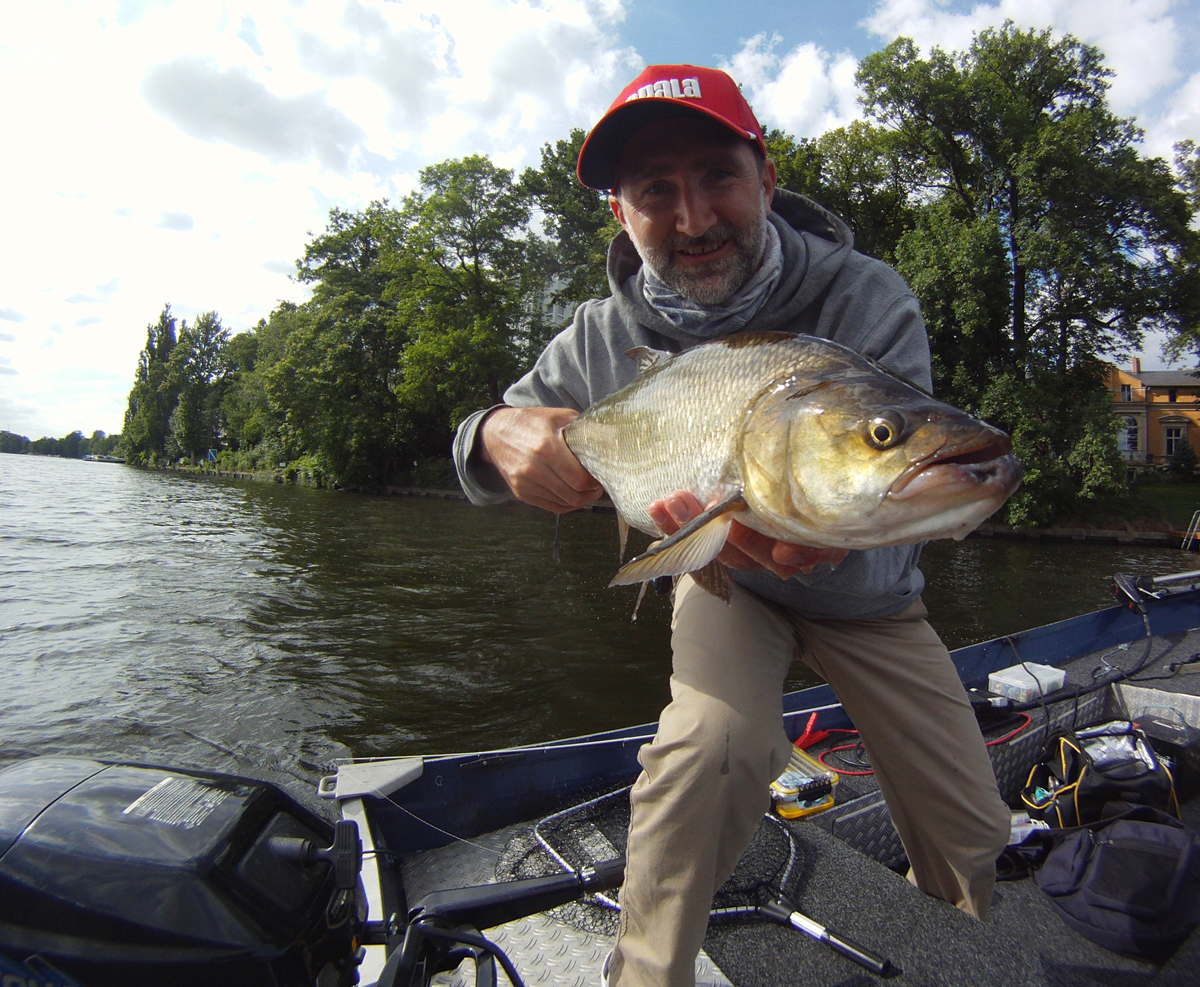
x: 597, y: 830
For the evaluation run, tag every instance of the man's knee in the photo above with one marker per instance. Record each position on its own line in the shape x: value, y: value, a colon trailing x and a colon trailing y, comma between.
x: 704, y: 743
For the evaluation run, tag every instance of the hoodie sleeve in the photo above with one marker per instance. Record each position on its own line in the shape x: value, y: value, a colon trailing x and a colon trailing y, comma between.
x: 559, y: 379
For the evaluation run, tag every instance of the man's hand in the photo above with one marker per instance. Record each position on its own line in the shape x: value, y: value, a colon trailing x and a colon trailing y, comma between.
x: 746, y: 548
x: 526, y: 448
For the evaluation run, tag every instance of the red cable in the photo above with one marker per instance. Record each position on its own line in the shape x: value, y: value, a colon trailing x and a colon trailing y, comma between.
x: 850, y: 747
x: 834, y: 767
x: 1009, y: 736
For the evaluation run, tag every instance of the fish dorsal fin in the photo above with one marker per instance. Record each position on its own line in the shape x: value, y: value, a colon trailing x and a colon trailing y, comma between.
x: 692, y: 547
x: 646, y: 357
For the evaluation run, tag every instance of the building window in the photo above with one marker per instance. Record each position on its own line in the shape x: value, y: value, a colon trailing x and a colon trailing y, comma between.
x: 1126, y: 392
x: 1172, y: 394
x: 1131, y: 434
x: 1174, y: 440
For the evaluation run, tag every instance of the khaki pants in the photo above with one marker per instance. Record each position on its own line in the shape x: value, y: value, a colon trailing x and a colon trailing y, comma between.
x: 720, y: 743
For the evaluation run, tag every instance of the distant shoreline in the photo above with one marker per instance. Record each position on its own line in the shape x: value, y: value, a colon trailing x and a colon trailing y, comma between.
x: 999, y: 532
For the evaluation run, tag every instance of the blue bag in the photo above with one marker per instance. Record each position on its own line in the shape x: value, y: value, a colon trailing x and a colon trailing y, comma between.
x: 1131, y: 884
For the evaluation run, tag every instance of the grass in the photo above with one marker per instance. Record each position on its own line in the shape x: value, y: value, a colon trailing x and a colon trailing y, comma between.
x: 1176, y: 501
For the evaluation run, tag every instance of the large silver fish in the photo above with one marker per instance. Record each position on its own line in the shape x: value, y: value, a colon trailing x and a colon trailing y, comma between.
x: 799, y: 438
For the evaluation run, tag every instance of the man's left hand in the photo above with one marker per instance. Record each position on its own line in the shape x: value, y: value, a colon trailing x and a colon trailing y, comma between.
x: 745, y: 549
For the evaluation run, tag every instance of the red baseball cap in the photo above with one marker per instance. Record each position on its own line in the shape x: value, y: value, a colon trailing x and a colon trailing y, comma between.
x: 662, y: 92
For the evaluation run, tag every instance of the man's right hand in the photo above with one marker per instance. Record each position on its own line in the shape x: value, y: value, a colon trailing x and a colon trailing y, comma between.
x: 527, y: 449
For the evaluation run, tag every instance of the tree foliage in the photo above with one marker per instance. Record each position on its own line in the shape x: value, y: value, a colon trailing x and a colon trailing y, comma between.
x: 154, y: 394
x: 996, y: 180
x: 74, y: 445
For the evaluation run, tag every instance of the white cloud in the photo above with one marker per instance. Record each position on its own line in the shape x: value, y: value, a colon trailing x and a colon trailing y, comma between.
x: 141, y: 120
x: 1180, y: 121
x: 1140, y: 39
x: 6, y: 366
x: 232, y: 107
x: 804, y: 92
x: 180, y: 222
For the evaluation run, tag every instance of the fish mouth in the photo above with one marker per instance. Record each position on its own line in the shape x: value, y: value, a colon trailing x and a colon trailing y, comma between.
x: 981, y: 464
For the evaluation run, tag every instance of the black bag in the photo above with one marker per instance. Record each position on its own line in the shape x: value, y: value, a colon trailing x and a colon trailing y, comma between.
x: 1111, y: 762
x: 1132, y: 885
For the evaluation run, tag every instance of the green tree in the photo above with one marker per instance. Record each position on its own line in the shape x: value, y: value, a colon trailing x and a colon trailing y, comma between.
x: 153, y: 396
x: 1018, y: 127
x: 958, y: 270
x: 329, y: 368
x: 855, y: 171
x: 195, y: 371
x: 1041, y: 241
x: 1183, y: 462
x: 469, y: 287
x: 577, y: 220
x: 1066, y: 457
x: 13, y: 443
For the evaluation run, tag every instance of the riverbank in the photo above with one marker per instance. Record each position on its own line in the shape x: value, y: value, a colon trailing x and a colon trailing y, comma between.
x: 1054, y: 534
x: 1094, y: 536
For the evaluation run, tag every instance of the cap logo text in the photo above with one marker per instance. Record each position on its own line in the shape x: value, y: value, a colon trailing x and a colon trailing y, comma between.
x: 668, y: 89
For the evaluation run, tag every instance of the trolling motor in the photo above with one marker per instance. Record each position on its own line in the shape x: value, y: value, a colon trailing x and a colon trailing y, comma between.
x: 117, y: 875
x: 1132, y: 591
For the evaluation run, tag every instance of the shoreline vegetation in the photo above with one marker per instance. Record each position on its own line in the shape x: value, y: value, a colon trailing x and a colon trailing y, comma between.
x: 1154, y: 514
x: 1152, y: 528
x: 997, y: 181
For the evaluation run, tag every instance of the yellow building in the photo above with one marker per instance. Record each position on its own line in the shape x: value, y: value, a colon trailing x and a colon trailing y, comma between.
x: 1160, y: 408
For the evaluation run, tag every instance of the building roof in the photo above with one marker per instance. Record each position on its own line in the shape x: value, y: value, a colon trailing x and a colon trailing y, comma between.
x: 1167, y: 378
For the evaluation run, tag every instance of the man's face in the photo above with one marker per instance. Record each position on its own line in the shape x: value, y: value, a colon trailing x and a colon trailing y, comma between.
x: 694, y: 200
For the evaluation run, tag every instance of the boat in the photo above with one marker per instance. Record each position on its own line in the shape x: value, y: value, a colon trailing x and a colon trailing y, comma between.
x: 441, y: 868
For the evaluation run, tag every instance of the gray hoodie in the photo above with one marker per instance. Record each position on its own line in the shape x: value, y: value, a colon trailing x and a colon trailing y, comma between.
x: 826, y: 289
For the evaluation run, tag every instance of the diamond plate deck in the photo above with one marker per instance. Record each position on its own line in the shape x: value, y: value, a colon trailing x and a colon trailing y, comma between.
x: 866, y: 825
x: 544, y: 950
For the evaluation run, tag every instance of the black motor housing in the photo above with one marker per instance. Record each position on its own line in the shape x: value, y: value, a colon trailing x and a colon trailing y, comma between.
x: 120, y: 874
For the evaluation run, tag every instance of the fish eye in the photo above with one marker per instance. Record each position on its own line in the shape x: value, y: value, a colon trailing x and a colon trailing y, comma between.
x: 884, y: 431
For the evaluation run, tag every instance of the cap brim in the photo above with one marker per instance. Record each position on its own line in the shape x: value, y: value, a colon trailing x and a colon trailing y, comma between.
x: 601, y: 152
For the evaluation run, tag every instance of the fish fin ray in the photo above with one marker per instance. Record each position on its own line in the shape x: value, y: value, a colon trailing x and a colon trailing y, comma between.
x: 641, y: 596
x: 646, y: 357
x: 715, y: 578
x: 623, y: 534
x: 692, y: 547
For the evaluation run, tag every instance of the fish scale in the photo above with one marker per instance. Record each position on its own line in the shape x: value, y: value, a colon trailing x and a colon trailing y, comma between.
x: 675, y: 427
x: 799, y: 438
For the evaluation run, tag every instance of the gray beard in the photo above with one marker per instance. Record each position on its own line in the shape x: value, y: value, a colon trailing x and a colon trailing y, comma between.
x: 715, y: 283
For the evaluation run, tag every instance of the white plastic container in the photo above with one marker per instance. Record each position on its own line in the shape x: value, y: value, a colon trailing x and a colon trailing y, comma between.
x: 1025, y: 682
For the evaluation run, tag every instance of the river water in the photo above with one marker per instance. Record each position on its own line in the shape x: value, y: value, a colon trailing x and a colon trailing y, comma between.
x: 268, y: 630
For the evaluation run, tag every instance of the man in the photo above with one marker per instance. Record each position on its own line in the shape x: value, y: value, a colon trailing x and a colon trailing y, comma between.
x: 710, y: 247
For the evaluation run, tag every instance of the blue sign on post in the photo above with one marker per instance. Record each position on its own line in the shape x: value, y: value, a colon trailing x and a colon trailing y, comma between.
x: 212, y: 455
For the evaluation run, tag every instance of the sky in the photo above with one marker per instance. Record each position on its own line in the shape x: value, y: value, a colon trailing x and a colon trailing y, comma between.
x: 183, y: 152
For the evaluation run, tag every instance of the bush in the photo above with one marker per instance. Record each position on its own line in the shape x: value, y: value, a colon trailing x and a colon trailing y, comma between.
x: 1183, y: 462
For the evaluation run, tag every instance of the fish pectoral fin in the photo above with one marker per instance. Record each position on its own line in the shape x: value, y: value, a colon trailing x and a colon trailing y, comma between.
x: 692, y: 547
x: 715, y: 578
x: 623, y: 534
x: 646, y: 357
